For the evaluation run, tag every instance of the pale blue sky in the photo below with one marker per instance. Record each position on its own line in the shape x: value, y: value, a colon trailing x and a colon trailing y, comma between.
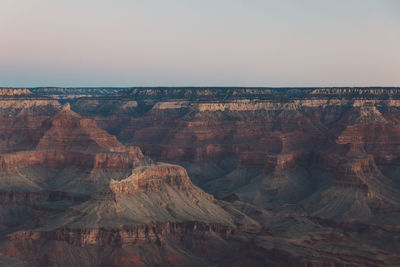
x: 204, y: 42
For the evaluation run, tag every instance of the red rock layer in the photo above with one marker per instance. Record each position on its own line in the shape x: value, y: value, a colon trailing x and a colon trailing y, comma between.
x: 68, y: 139
x: 61, y: 159
x: 152, y: 178
x: 68, y: 131
x: 155, y: 232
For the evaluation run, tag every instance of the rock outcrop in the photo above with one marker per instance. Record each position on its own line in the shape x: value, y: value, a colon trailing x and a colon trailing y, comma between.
x: 152, y: 178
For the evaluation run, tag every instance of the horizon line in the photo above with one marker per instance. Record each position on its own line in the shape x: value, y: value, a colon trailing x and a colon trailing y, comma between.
x: 197, y: 87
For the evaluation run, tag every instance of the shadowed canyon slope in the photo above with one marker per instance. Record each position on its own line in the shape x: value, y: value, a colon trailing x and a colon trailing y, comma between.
x: 301, y: 177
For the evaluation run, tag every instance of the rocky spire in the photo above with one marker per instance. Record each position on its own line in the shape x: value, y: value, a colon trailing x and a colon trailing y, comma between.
x: 66, y: 107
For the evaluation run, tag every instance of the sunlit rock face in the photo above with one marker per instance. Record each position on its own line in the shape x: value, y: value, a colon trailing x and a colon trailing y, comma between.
x: 301, y: 177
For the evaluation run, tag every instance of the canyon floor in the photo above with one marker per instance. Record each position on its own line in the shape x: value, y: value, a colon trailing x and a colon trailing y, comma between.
x: 199, y: 176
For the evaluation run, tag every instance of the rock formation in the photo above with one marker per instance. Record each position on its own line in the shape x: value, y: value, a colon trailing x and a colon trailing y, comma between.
x: 301, y: 176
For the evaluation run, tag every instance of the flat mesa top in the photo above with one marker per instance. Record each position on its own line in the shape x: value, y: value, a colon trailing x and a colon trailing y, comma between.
x: 202, y: 93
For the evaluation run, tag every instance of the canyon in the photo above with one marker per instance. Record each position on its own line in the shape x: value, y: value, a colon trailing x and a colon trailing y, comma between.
x: 161, y: 176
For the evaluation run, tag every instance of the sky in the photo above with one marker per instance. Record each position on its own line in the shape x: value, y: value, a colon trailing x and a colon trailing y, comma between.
x: 272, y: 43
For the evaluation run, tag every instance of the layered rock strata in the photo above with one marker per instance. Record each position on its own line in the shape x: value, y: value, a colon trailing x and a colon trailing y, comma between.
x: 310, y: 176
